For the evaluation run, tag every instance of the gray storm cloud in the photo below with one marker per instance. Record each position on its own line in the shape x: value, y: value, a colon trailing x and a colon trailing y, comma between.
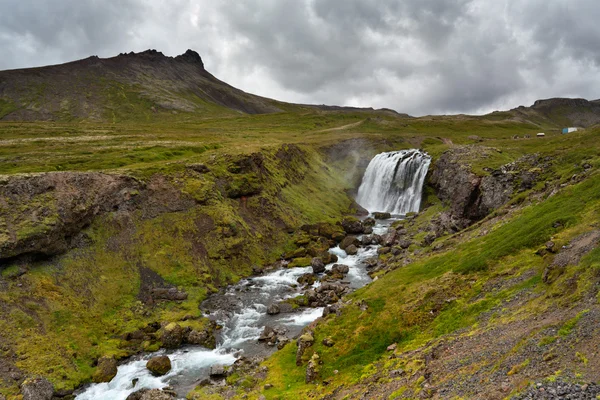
x: 416, y: 56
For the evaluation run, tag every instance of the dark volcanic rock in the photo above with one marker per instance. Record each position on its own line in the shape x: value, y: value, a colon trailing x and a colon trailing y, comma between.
x: 317, y: 265
x: 472, y: 197
x: 352, y: 225
x: 349, y: 240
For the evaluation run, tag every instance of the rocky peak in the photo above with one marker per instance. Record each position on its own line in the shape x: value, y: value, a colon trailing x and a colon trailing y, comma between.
x: 190, y: 56
x: 558, y: 102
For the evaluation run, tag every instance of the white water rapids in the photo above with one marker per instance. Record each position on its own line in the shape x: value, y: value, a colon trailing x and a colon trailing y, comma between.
x: 242, y: 323
x: 393, y: 182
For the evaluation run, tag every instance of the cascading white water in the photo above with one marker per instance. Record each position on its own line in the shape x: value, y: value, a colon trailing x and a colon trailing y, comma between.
x: 393, y: 182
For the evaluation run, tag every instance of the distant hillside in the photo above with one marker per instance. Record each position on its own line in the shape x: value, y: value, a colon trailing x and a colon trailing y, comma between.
x: 132, y: 87
x: 122, y: 87
x: 558, y: 112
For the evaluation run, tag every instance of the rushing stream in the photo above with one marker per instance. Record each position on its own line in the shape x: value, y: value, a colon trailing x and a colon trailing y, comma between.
x: 393, y: 182
x: 242, y: 313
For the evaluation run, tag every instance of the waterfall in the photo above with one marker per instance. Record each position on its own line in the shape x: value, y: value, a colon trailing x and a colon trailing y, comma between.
x: 393, y: 182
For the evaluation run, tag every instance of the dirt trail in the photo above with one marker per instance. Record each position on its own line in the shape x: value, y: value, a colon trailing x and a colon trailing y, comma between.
x: 339, y: 128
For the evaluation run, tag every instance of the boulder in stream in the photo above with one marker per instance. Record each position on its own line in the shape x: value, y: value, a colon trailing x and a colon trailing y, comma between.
x: 348, y: 241
x: 351, y: 250
x: 352, y: 225
x: 317, y: 265
x: 273, y: 309
x: 382, y: 215
x: 106, y: 370
x: 159, y: 365
x: 152, y: 394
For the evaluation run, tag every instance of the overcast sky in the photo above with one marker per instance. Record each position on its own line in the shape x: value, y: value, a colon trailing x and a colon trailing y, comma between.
x: 415, y: 56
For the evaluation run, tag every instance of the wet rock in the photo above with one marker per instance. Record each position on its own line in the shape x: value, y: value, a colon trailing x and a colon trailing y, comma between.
x: 159, y: 365
x: 273, y: 309
x: 172, y: 336
x: 348, y: 241
x: 106, y: 370
x: 317, y: 265
x: 312, y: 369
x: 368, y: 230
x: 369, y: 222
x: 201, y: 338
x: 307, y: 279
x: 37, y: 389
x: 152, y: 394
x: 352, y: 225
x: 382, y: 215
x: 351, y: 250
x: 328, y: 258
x: 340, y: 269
x: 268, y: 334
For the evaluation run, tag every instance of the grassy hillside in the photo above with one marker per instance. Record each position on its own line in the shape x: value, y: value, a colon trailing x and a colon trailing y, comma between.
x: 213, y: 183
x: 471, y: 314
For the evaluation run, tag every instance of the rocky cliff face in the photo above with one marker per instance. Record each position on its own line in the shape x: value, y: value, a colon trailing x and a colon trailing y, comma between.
x: 41, y: 214
x: 471, y: 197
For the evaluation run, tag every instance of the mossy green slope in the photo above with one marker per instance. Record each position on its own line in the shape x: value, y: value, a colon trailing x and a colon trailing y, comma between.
x: 473, y: 315
x: 63, y: 313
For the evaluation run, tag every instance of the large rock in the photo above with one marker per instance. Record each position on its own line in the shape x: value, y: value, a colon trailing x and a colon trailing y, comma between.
x: 159, y: 365
x: 352, y: 225
x: 203, y: 337
x: 152, y: 394
x: 273, y: 309
x: 317, y: 265
x: 349, y: 240
x: 471, y: 196
x: 382, y: 215
x: 340, y: 269
x: 106, y: 370
x: 172, y: 336
x: 37, y: 389
x: 351, y: 250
